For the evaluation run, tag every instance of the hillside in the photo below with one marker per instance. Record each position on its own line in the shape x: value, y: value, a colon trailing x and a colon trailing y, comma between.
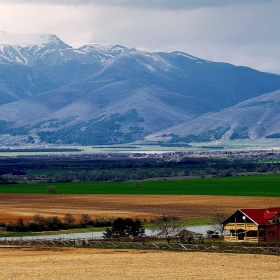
x: 252, y: 119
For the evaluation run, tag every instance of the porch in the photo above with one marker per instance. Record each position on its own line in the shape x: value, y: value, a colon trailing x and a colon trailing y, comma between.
x: 244, y: 226
x: 232, y: 238
x: 243, y: 232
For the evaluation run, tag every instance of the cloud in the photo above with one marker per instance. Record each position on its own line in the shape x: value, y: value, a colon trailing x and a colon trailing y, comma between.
x: 71, y: 24
x: 231, y: 32
x: 147, y: 4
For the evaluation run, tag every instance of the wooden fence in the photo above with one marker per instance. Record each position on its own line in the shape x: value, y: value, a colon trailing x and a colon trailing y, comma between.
x: 150, y: 245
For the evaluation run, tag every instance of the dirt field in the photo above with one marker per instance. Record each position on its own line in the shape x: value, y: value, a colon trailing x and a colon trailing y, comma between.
x: 58, y: 263
x: 73, y: 263
x: 13, y: 206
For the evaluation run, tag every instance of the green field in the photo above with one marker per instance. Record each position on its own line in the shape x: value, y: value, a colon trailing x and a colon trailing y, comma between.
x: 260, y: 185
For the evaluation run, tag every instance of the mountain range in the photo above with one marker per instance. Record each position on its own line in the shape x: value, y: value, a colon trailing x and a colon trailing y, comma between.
x: 52, y: 93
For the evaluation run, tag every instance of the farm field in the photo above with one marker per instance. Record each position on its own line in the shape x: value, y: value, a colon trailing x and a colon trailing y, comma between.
x: 72, y: 263
x: 259, y: 185
x: 13, y: 206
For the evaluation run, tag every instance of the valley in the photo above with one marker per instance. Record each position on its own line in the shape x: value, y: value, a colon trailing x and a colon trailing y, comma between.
x: 139, y: 139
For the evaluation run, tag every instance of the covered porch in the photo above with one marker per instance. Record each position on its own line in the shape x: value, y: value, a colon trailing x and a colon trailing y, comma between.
x: 242, y: 230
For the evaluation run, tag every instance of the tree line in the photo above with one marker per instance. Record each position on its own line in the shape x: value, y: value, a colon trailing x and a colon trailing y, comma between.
x: 118, y: 228
x: 64, y: 170
x: 40, y: 223
x: 103, y: 175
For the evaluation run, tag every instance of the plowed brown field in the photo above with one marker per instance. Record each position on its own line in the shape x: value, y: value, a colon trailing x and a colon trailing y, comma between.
x: 13, y: 206
x: 71, y: 263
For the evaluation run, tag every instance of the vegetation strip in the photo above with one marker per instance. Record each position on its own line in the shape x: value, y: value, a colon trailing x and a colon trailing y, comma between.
x: 260, y: 185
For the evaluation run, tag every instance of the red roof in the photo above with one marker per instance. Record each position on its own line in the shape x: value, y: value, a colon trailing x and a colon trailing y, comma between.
x: 270, y: 215
x: 261, y: 216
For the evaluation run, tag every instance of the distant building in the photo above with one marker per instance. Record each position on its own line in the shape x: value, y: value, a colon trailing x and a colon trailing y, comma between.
x: 186, y: 235
x: 253, y: 225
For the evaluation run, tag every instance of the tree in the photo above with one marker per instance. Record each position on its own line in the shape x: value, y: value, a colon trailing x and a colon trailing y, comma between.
x: 51, y: 189
x: 53, y: 223
x: 124, y: 228
x: 83, y: 176
x: 166, y: 225
x: 8, y: 177
x: 85, y: 219
x: 69, y: 219
x: 20, y: 227
x: 218, y: 218
x: 136, y: 184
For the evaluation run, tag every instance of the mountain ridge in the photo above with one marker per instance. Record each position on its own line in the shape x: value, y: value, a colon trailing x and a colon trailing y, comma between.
x: 110, y: 94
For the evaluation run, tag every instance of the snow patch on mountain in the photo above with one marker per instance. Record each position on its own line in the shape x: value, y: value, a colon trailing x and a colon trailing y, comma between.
x: 90, y: 47
x: 103, y: 48
x: 103, y: 52
x: 185, y: 55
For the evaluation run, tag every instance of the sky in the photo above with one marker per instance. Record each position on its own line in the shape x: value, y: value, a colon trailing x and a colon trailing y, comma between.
x: 241, y: 32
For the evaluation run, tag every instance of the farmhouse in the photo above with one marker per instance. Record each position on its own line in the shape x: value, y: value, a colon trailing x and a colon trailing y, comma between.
x: 253, y: 225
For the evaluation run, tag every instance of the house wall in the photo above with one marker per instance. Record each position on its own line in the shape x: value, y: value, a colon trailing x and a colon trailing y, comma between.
x: 272, y: 233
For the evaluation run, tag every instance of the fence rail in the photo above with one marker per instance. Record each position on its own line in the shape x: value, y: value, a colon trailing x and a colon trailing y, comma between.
x: 150, y: 245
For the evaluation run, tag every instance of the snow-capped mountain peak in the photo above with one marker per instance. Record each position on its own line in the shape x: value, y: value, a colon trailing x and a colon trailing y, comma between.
x: 27, y: 49
x: 28, y: 39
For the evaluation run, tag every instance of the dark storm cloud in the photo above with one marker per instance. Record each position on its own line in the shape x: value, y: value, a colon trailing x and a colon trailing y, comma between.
x: 147, y: 4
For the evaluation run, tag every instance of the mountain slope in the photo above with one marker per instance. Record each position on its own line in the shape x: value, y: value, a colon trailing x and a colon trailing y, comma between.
x: 18, y: 82
x: 253, y: 119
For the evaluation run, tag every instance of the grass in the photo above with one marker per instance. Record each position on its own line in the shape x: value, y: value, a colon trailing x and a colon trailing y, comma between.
x: 4, y: 233
x: 259, y: 185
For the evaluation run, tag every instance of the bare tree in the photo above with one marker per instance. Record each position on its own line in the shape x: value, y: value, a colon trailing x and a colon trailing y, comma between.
x: 166, y: 225
x: 85, y: 219
x: 68, y: 218
x: 39, y: 219
x: 51, y: 189
x: 217, y: 219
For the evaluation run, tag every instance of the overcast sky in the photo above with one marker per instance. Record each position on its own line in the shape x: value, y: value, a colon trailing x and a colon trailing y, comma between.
x: 242, y: 32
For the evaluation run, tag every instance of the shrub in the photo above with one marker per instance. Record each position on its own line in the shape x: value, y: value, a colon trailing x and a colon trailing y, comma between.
x: 34, y: 226
x: 51, y: 189
x: 102, y: 222
x: 10, y: 227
